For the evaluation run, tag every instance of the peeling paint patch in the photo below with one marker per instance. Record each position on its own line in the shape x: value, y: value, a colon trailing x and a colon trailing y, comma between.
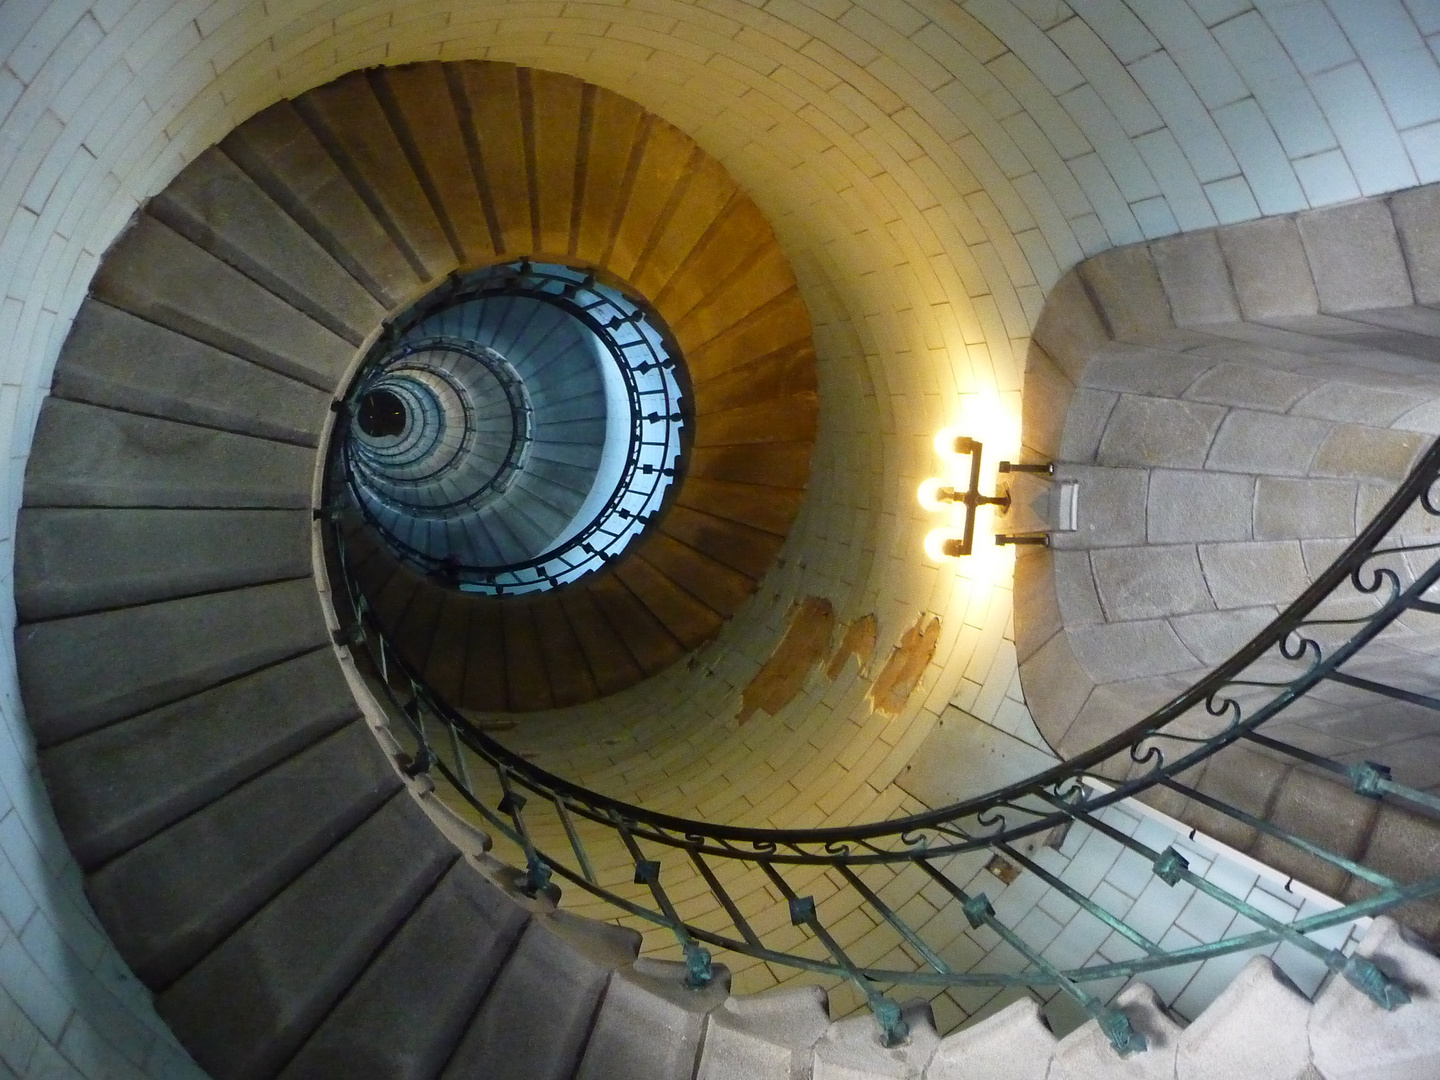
x: 859, y: 642
x: 805, y: 644
x: 906, y: 665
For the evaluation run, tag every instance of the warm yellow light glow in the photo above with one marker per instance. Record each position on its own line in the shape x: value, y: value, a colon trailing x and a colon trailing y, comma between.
x: 929, y: 494
x: 945, y: 442
x: 937, y: 539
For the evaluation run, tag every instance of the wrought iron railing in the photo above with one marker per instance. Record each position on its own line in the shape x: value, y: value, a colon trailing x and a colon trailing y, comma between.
x: 657, y: 396
x: 635, y: 859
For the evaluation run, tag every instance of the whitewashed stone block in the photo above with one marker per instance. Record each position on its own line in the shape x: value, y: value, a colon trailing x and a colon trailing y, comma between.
x: 851, y: 1049
x: 765, y: 1036
x: 1352, y: 1038
x: 1086, y: 1054
x: 1014, y: 1044
x: 1255, y: 1028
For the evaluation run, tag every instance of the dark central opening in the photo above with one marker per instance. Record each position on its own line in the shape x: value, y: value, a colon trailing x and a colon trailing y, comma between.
x: 382, y: 413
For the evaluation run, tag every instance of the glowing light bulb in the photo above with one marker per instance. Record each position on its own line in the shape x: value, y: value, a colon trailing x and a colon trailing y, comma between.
x: 930, y: 494
x: 943, y: 544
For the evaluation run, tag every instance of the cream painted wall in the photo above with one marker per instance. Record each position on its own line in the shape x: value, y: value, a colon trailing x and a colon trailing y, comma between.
x: 931, y: 167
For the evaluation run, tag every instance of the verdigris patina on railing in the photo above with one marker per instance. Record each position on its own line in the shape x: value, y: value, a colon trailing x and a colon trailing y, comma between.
x: 634, y: 859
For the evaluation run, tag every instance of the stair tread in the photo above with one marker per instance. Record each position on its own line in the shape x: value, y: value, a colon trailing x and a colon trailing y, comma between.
x: 171, y: 900
x: 115, y: 787
x: 493, y: 94
x: 651, y: 995
x: 526, y: 678
x: 665, y: 164
x: 218, y: 206
x: 604, y: 645
x: 348, y: 119
x: 403, y: 1017
x: 708, y: 192
x: 776, y: 464
x: 554, y: 137
x: 536, y: 1018
x: 72, y: 560
x: 114, y: 358
x: 747, y: 550
x: 486, y: 687
x: 652, y: 645
x: 717, y: 586
x: 606, y: 168
x: 690, y: 621
x: 284, y: 157
x: 89, y: 455
x: 249, y: 1005
x: 766, y: 508
x: 155, y: 272
x: 736, y: 237
x: 783, y: 420
x: 423, y: 100
x: 764, y: 330
x: 566, y: 666
x: 82, y: 671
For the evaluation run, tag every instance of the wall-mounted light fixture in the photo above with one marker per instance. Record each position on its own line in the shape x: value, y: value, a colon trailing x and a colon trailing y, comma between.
x: 936, y: 494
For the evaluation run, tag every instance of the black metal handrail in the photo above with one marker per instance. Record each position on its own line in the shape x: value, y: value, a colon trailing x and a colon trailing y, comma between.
x: 1239, y: 696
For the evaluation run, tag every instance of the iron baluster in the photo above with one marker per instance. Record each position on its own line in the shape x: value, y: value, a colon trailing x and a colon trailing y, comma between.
x: 1350, y: 866
x: 1172, y: 868
x: 739, y: 920
x: 698, y: 970
x: 537, y: 870
x: 1116, y: 924
x: 894, y: 1028
x: 904, y: 929
x: 978, y: 912
x: 581, y: 855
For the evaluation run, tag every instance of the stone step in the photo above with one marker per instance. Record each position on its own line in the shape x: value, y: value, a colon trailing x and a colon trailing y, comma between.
x: 739, y: 547
x: 850, y: 1049
x: 351, y: 123
x: 154, y: 272
x: 404, y: 1016
x: 247, y: 1007
x: 85, y: 455
x: 709, y: 580
x: 566, y: 668
x: 1352, y: 1038
x: 1256, y: 1027
x: 686, y: 618
x: 485, y: 687
x: 280, y: 152
x: 537, y: 1017
x: 118, y: 359
x: 1012, y: 1044
x: 425, y: 98
x: 117, y: 786
x: 767, y: 1036
x: 216, y: 205
x: 650, y: 1023
x: 526, y: 677
x: 171, y: 900
x: 81, y: 672
x: 605, y: 646
x: 73, y: 560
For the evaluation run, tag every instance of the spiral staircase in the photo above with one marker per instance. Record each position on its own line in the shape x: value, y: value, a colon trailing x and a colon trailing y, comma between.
x: 256, y: 855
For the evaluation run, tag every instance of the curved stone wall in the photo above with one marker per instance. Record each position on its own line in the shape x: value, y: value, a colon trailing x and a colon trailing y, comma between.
x: 931, y: 169
x: 1236, y: 406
